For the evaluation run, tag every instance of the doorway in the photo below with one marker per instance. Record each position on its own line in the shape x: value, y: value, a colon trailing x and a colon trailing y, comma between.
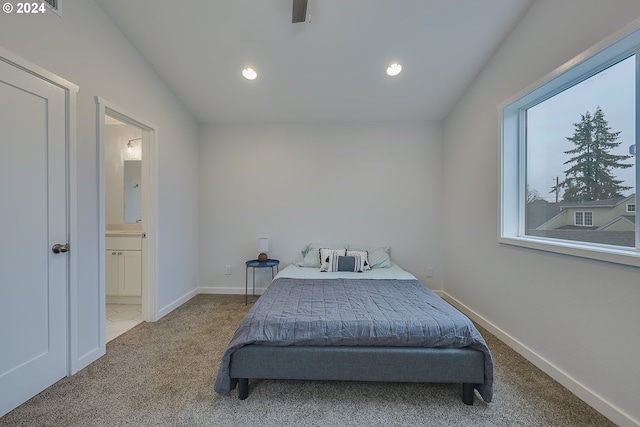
x: 123, y: 219
x: 127, y: 218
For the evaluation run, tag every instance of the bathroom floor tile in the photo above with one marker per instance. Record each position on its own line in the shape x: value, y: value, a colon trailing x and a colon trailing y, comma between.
x: 121, y: 318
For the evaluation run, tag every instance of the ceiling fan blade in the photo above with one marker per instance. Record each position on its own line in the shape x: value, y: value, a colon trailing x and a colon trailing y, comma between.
x: 299, y: 13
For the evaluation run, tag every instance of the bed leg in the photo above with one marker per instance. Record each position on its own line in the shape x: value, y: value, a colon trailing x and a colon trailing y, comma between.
x: 243, y: 388
x: 467, y: 393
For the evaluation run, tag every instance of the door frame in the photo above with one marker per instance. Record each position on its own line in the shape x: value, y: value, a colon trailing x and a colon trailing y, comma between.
x: 149, y: 207
x: 71, y: 154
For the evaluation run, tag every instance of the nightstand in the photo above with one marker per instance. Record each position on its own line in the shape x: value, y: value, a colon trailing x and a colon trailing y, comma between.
x: 254, y: 263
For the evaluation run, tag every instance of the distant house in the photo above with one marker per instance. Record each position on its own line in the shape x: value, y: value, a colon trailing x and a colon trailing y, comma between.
x: 612, y: 214
x: 610, y: 221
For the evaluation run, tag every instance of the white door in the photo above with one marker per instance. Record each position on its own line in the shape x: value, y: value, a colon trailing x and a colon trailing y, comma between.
x: 33, y: 217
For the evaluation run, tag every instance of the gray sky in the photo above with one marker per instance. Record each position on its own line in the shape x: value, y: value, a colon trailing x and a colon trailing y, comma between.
x: 551, y: 122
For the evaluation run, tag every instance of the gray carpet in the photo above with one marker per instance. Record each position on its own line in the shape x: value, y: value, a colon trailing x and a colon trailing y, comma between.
x: 162, y: 374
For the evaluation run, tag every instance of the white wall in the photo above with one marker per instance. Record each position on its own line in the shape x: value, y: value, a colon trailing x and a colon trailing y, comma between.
x: 85, y: 48
x: 372, y: 183
x: 576, y: 318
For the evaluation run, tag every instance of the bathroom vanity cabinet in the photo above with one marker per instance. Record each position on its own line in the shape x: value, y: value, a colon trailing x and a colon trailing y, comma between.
x: 123, y: 267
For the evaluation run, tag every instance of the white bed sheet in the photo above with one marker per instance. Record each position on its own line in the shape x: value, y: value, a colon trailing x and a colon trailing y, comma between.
x: 394, y: 272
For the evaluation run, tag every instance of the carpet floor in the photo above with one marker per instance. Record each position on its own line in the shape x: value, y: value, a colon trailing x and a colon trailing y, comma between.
x: 162, y: 374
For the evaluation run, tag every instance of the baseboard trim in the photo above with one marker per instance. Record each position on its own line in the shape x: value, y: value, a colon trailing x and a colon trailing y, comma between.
x: 175, y: 304
x: 588, y: 396
x: 226, y: 290
x: 123, y: 300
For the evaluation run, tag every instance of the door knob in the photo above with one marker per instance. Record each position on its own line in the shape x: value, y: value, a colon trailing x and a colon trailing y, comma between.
x: 59, y: 248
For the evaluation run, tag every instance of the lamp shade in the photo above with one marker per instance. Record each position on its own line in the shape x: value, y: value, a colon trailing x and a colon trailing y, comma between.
x: 263, y: 244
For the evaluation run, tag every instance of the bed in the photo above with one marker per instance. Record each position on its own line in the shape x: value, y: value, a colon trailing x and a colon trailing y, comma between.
x: 381, y: 324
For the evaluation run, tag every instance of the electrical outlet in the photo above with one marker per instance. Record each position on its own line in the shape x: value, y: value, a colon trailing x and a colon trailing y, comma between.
x: 429, y: 271
x: 227, y: 269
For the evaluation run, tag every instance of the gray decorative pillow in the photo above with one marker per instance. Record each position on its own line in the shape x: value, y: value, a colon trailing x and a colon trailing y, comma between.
x: 364, y: 258
x: 346, y: 263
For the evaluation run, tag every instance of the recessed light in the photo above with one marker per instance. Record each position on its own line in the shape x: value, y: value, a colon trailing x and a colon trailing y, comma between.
x: 394, y: 69
x: 249, y: 73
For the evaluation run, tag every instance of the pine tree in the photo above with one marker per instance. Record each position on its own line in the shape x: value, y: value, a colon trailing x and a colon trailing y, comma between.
x: 590, y: 176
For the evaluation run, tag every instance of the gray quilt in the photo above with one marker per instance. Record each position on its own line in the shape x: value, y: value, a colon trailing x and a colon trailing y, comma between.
x: 362, y: 312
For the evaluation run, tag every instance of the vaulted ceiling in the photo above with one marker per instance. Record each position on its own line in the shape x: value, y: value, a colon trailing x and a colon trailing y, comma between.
x: 330, y: 68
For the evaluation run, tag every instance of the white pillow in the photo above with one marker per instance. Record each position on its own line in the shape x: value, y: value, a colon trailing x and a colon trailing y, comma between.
x: 364, y: 259
x: 311, y: 254
x: 379, y: 257
x: 326, y: 257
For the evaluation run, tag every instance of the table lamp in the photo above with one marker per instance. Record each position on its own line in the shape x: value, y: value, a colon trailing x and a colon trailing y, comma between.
x: 263, y: 248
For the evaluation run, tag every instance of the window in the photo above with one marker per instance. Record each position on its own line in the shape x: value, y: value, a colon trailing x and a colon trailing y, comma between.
x: 569, y: 172
x: 583, y: 218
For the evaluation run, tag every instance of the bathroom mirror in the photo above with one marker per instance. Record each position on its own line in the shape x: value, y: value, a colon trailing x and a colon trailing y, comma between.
x: 132, y: 191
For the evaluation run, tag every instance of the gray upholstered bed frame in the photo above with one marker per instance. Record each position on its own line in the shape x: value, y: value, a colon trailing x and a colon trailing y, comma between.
x: 393, y: 364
